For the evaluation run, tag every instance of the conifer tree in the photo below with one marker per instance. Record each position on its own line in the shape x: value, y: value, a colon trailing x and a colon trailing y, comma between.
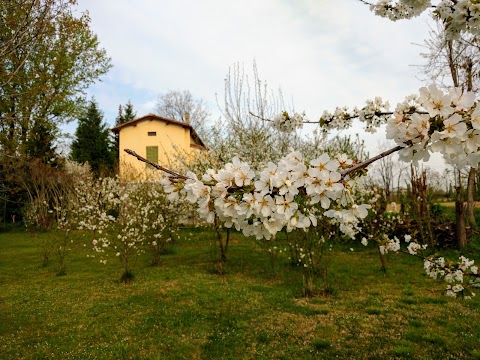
x: 92, y: 143
x: 41, y: 144
x: 125, y: 114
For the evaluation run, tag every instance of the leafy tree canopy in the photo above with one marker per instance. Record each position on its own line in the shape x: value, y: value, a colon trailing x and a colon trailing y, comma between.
x: 48, y: 58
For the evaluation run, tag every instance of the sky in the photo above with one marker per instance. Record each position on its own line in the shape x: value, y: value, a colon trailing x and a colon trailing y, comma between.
x: 320, y: 53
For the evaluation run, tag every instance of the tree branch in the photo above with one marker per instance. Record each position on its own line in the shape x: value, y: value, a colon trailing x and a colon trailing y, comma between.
x: 364, y: 164
x: 349, y: 117
x: 156, y: 166
x: 344, y: 173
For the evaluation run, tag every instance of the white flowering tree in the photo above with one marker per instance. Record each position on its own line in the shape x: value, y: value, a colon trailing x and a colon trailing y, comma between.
x: 126, y: 219
x: 158, y: 218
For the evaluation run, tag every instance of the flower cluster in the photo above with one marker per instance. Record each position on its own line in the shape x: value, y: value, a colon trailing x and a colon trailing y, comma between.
x: 285, y: 122
x: 432, y: 121
x: 455, y: 274
x: 414, y: 247
x: 291, y: 194
x: 373, y: 114
x: 349, y: 219
x: 439, y: 122
x: 389, y: 245
x: 463, y: 15
x: 402, y: 9
x: 458, y: 15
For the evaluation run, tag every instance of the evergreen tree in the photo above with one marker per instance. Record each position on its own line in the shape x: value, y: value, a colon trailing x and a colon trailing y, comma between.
x: 125, y: 114
x: 92, y: 142
x: 129, y: 114
x: 41, y: 144
x: 120, y: 119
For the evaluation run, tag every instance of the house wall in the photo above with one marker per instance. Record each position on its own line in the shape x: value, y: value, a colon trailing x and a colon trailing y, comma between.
x: 135, y: 137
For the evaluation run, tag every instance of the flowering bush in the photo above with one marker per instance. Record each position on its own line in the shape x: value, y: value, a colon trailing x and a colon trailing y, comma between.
x: 159, y: 219
x: 126, y: 218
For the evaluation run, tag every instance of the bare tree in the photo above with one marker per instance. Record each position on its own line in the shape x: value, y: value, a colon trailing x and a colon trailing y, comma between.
x: 175, y: 104
x: 451, y: 62
x: 247, y: 99
x: 385, y: 171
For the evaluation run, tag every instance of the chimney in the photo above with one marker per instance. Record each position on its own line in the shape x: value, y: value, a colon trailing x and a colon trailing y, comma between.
x: 187, y: 118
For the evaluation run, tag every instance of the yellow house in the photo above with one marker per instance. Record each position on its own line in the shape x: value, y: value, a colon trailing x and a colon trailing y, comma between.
x: 156, y: 138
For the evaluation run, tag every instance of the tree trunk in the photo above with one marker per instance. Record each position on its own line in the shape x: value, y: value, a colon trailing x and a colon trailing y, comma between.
x: 461, y: 231
x: 420, y: 206
x: 382, y: 261
x: 470, y: 200
x: 221, y: 261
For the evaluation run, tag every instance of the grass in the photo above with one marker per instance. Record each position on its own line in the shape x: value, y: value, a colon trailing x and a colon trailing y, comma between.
x: 184, y: 310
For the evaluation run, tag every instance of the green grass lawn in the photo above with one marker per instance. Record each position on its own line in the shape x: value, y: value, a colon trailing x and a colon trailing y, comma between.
x: 184, y: 310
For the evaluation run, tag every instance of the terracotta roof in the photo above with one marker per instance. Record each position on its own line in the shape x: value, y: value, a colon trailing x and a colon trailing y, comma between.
x: 153, y: 117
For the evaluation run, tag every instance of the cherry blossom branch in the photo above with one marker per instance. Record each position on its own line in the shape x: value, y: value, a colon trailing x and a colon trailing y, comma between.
x: 156, y: 166
x: 270, y: 120
x: 344, y: 173
x: 364, y: 164
x: 349, y: 117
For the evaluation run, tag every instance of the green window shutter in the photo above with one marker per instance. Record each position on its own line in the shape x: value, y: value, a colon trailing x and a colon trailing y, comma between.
x: 152, y: 155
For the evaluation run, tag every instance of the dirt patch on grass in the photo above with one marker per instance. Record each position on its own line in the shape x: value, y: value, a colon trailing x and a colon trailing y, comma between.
x: 452, y: 204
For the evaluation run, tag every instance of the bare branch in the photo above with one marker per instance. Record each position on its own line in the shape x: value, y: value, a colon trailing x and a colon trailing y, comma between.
x: 364, y: 164
x: 263, y: 119
x: 156, y: 166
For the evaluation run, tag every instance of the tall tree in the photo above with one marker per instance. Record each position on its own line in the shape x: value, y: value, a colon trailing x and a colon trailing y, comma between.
x: 48, y: 57
x: 175, y: 104
x: 125, y: 114
x: 247, y: 100
x: 92, y: 141
x: 41, y: 145
x: 24, y: 23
